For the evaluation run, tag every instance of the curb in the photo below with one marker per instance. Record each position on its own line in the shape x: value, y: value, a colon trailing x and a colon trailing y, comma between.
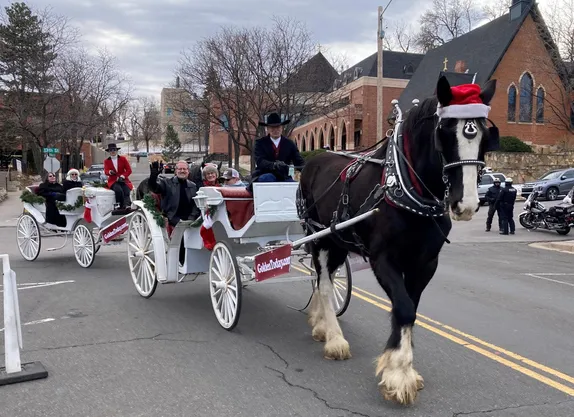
x: 566, y: 246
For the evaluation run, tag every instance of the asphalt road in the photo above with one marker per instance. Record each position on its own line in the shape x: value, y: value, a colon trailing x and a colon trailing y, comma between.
x: 494, y: 338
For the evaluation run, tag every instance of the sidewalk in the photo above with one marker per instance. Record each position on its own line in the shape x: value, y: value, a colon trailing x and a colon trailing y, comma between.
x: 559, y: 246
x: 10, y: 209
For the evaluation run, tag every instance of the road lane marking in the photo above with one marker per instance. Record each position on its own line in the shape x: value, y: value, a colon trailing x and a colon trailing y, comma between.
x: 477, y: 349
x: 539, y: 276
x: 371, y: 299
x: 35, y: 322
x: 27, y: 286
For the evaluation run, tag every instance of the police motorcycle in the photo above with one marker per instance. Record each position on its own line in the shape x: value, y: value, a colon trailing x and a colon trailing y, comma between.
x: 559, y: 218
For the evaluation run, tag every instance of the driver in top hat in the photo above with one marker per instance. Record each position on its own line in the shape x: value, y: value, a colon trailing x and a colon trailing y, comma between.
x: 118, y: 170
x: 274, y: 153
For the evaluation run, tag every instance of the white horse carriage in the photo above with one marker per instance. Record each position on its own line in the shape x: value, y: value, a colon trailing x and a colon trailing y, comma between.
x: 258, y: 237
x: 107, y: 225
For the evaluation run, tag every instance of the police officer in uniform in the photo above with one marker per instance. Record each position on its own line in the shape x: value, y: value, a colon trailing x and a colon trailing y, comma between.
x: 491, y: 196
x: 505, y: 205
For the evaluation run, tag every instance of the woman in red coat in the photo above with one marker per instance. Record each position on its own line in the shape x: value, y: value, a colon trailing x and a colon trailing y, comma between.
x: 118, y: 170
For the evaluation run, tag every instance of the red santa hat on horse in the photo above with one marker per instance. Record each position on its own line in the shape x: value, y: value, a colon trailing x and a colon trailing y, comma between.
x: 466, y: 103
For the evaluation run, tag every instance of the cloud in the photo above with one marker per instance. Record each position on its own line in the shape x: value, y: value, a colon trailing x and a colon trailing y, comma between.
x: 147, y: 36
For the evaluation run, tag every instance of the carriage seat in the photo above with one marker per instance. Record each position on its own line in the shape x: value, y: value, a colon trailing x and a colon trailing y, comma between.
x: 239, y: 204
x: 34, y: 188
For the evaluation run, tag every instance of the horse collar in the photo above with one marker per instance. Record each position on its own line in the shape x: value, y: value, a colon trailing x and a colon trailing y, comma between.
x: 399, y: 189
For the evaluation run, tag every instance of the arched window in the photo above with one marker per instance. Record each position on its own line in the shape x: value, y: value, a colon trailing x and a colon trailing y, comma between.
x: 526, y: 98
x: 540, y: 105
x: 512, y: 103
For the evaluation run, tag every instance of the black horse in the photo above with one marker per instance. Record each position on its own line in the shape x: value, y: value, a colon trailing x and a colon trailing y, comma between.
x: 194, y: 176
x: 430, y: 170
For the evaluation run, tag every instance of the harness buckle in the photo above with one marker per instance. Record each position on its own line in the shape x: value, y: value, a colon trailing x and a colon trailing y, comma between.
x: 345, y: 199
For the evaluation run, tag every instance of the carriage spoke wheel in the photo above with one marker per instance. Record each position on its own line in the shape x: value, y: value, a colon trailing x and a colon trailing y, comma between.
x: 342, y: 288
x: 28, y: 237
x: 141, y: 257
x: 84, y: 246
x: 225, y: 286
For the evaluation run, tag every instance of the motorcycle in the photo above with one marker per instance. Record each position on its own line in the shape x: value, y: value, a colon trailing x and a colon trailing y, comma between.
x: 536, y: 216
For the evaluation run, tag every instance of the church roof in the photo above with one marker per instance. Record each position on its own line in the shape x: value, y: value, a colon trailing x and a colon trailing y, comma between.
x: 400, y: 65
x: 316, y: 75
x: 480, y: 49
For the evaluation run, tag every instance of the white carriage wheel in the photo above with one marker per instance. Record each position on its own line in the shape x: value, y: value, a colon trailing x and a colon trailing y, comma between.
x: 84, y: 246
x: 28, y: 237
x: 342, y: 287
x: 225, y: 286
x: 141, y: 256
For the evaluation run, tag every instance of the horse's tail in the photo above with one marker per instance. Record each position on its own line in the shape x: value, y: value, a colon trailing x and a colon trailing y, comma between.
x: 142, y: 189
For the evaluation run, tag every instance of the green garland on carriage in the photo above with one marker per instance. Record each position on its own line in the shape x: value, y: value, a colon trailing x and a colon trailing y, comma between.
x: 31, y: 198
x: 150, y: 205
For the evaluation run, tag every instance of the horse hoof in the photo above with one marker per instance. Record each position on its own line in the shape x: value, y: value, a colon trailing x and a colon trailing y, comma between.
x: 420, y: 382
x: 337, y: 348
x: 318, y: 335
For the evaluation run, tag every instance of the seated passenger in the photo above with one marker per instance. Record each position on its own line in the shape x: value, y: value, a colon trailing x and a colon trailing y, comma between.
x: 231, y: 178
x: 274, y: 153
x: 72, y: 180
x: 176, y: 193
x: 53, y: 191
x: 209, y: 174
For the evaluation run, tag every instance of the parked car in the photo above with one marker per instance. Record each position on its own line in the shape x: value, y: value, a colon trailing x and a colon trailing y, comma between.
x: 487, y: 182
x: 95, y: 173
x: 552, y: 184
x: 169, y: 168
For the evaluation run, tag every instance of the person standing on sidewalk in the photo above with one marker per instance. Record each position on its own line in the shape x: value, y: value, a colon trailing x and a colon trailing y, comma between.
x: 505, y: 203
x: 491, y: 196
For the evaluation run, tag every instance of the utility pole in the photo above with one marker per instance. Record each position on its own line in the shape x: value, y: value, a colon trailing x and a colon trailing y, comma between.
x: 380, y: 35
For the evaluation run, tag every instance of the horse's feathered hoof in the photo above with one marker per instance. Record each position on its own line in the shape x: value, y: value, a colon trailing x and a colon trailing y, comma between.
x: 399, y: 384
x: 337, y: 348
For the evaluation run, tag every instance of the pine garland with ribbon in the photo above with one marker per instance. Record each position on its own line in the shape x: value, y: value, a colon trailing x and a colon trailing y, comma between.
x: 71, y: 207
x: 150, y: 205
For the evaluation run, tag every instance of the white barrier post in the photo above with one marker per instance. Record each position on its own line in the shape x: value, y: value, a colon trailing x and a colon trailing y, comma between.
x: 14, y: 371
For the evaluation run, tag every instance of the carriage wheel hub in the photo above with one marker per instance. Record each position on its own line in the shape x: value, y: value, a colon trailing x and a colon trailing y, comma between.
x: 139, y: 254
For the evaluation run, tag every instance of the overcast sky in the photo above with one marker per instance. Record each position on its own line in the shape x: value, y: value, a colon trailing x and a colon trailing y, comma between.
x: 147, y: 36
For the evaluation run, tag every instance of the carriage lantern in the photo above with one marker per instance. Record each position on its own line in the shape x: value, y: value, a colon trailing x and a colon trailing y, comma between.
x: 201, y: 200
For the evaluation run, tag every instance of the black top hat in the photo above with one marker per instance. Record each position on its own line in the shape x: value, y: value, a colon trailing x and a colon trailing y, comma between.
x: 112, y: 147
x: 274, y: 120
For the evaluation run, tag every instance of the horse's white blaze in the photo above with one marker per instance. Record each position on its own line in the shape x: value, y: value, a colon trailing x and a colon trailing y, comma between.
x: 336, y: 347
x: 468, y: 149
x: 399, y: 380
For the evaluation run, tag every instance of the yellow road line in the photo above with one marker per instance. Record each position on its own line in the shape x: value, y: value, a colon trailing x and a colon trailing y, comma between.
x: 366, y: 296
x: 508, y: 353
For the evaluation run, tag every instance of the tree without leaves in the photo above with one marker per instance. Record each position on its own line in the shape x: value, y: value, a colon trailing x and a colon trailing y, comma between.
x: 145, y: 120
x: 496, y: 8
x: 172, y: 146
x: 400, y: 36
x: 244, y: 74
x: 446, y: 20
x: 92, y: 92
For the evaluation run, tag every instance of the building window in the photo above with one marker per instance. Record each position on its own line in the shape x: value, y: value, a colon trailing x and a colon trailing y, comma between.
x: 512, y: 104
x: 223, y: 123
x: 189, y: 114
x: 190, y: 128
x: 540, y: 105
x: 169, y: 112
x: 526, y: 98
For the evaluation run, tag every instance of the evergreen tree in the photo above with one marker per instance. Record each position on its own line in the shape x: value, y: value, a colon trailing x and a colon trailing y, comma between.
x: 172, y: 146
x: 27, y: 52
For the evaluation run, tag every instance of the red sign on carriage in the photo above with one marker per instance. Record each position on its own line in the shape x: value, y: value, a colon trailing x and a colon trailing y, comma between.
x: 272, y: 263
x: 115, y: 229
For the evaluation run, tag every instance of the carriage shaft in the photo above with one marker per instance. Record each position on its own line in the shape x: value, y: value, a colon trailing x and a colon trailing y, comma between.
x: 339, y: 226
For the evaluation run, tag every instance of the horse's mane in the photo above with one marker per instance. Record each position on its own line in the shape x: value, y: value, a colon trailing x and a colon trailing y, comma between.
x: 420, y: 119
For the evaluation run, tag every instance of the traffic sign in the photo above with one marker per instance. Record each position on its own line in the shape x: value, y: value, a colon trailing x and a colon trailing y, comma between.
x: 50, y: 150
